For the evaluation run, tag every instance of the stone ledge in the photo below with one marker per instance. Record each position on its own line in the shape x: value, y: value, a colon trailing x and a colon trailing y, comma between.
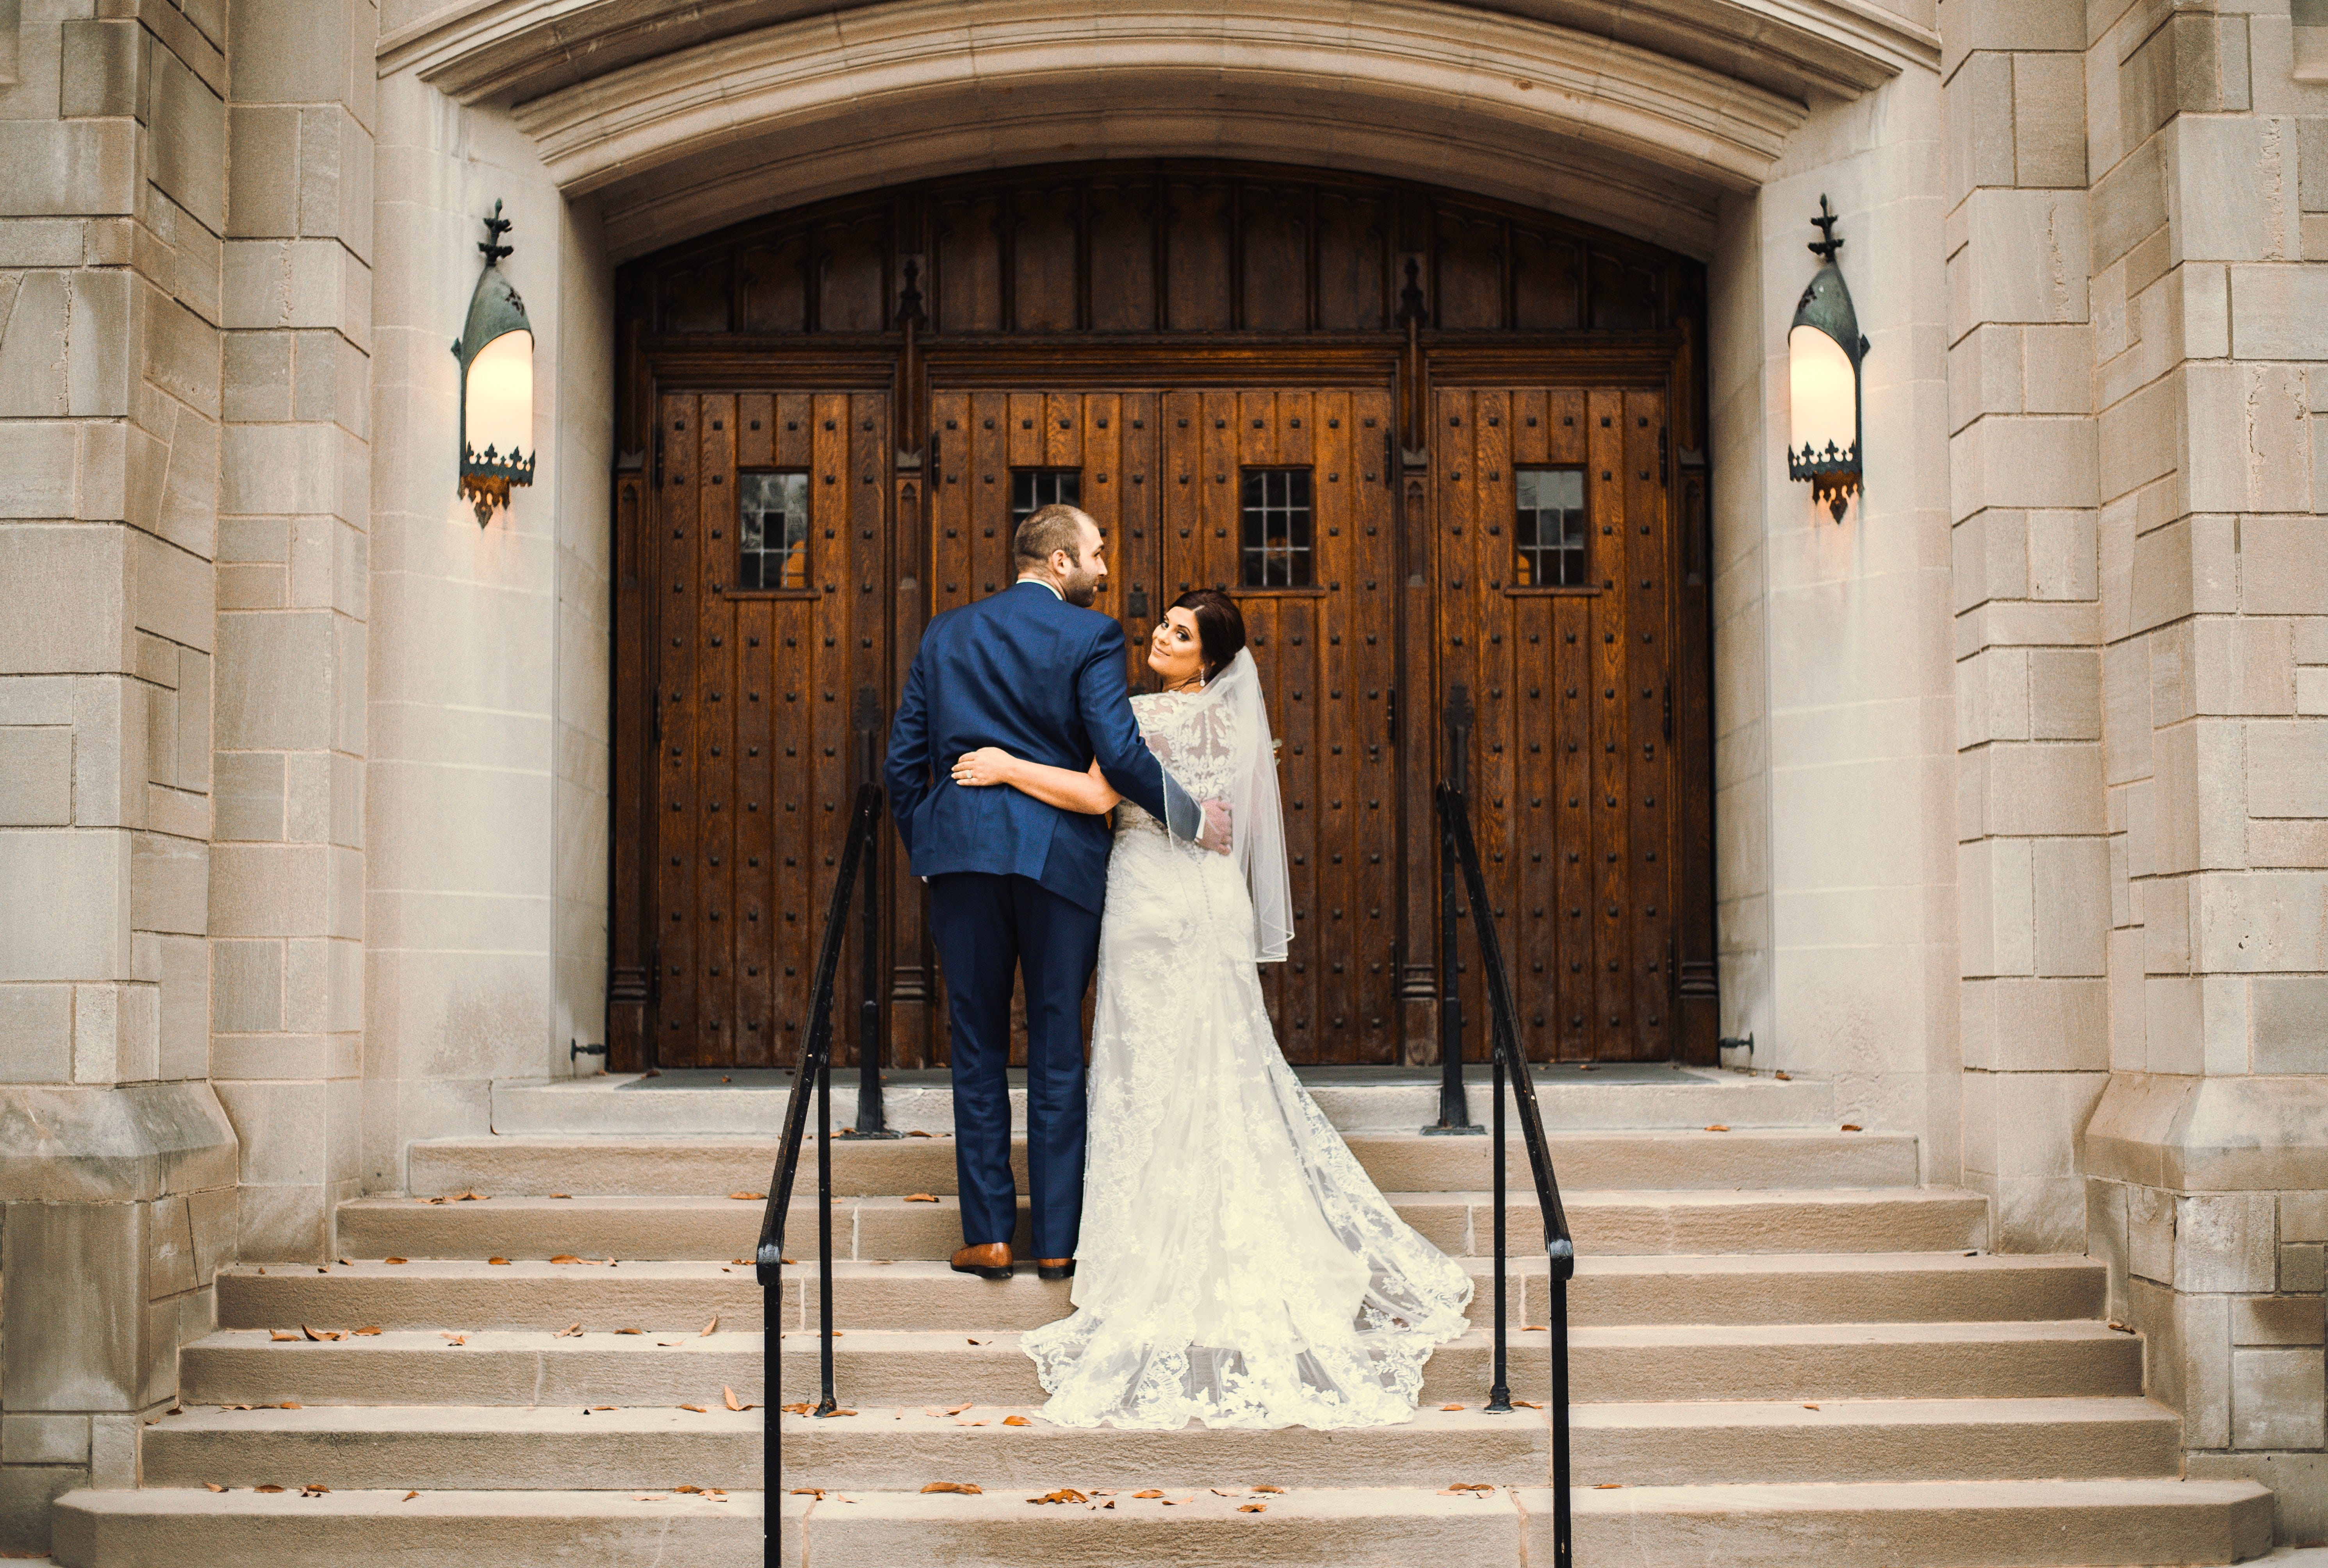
x: 62, y: 1144
x: 2191, y: 1135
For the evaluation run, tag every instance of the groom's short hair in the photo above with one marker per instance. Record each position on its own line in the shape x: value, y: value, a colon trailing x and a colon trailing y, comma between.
x: 1056, y: 527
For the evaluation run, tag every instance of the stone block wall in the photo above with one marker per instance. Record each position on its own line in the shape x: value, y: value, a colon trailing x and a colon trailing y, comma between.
x: 2031, y: 858
x: 117, y: 1178
x: 2204, y: 1159
x: 287, y: 872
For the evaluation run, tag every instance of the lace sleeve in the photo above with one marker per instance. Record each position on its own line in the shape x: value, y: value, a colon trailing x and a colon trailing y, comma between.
x: 1195, y: 742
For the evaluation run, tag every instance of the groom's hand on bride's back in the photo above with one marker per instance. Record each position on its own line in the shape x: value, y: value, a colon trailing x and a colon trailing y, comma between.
x: 1215, y: 836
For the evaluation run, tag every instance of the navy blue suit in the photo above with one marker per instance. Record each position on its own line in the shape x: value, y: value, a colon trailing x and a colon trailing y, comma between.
x: 1016, y: 884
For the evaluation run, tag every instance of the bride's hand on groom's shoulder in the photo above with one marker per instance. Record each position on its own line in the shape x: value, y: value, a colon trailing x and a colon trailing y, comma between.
x: 986, y: 767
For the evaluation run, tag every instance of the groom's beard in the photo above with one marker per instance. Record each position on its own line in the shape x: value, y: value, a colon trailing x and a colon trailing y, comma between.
x: 1079, y: 590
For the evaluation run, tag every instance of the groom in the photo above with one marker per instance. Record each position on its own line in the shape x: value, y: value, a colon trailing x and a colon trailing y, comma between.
x: 1016, y: 884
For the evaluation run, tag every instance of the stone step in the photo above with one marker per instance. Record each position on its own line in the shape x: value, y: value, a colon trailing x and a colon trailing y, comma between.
x: 2037, y: 1360
x: 1837, y: 1219
x: 2047, y: 1523
x: 695, y: 1102
x: 678, y: 1297
x: 2038, y: 1524
x: 425, y: 1448
x: 1878, y: 1440
x: 1689, y: 1159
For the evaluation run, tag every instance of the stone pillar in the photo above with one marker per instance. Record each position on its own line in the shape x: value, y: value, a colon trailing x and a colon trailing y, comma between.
x: 115, y: 1164
x: 2206, y: 1160
x: 2031, y: 859
x: 287, y: 880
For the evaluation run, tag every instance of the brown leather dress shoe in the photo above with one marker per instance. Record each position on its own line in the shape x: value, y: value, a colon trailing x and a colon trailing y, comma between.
x: 1055, y: 1268
x: 989, y: 1262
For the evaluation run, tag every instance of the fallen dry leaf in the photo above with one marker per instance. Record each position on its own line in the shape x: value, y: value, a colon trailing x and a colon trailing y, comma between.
x: 1784, y: 1077
x: 697, y: 1408
x: 957, y: 1409
x: 2122, y: 1328
x: 733, y: 1402
x: 213, y: 1485
x: 282, y: 1334
x: 571, y: 1332
x: 1252, y: 1507
x: 1451, y: 1407
x: 602, y: 1407
x: 967, y: 1488
x: 455, y: 1339
x: 497, y: 1260
x: 367, y: 1329
x: 1150, y: 1492
x: 808, y: 1492
x: 1014, y: 1421
x: 974, y: 1341
x: 270, y: 1486
x: 919, y: 1198
x: 1528, y: 1404
x: 396, y: 1260
x: 1223, y: 1492
x: 1064, y: 1495
x: 800, y: 1409
x: 1535, y: 1329
x: 346, y: 1265
x: 566, y: 1194
x: 695, y: 1491
x: 408, y: 1497
x: 710, y: 1326
x: 1609, y: 1487
x: 565, y: 1258
x: 1269, y: 1488
x: 234, y: 1407
x: 313, y: 1489
x: 326, y: 1334
x: 1717, y: 1127
x: 917, y: 1132
x: 630, y: 1330
x: 1810, y: 1407
x: 1852, y: 1127
x: 1470, y: 1487
x: 748, y: 1197
x: 290, y: 1404
x: 1176, y: 1502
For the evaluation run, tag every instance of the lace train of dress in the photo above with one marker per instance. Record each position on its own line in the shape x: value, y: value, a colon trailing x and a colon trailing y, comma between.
x: 1236, y: 1265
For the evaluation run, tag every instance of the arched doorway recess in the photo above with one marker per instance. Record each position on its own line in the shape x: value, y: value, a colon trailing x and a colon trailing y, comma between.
x: 1429, y: 440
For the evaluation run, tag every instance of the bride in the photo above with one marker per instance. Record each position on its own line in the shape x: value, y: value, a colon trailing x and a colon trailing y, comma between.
x: 1236, y: 1265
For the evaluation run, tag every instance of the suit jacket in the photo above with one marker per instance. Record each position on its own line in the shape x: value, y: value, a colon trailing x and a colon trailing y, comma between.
x: 1042, y: 679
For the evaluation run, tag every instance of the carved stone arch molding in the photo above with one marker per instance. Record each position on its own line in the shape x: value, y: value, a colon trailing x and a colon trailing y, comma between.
x: 1639, y: 124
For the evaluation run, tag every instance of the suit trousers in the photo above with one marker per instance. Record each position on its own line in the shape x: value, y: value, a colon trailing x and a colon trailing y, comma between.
x: 986, y: 927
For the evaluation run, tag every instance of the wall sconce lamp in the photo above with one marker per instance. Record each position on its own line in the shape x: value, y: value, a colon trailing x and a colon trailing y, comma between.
x: 496, y: 354
x: 1824, y: 349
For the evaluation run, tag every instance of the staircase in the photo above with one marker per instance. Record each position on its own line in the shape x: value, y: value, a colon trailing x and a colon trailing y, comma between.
x: 1786, y: 1355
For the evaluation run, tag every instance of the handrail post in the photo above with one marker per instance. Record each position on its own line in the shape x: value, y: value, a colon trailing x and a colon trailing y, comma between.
x: 826, y: 1403
x: 1499, y: 1392
x: 1454, y: 1108
x: 1563, y: 1526
x: 871, y: 1121
x: 771, y: 1425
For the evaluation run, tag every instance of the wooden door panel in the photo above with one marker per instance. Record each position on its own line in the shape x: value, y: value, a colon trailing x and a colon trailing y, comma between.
x: 1567, y: 767
x: 1324, y: 651
x: 756, y: 692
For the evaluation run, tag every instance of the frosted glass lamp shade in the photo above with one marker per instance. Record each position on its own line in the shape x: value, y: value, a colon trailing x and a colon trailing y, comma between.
x: 499, y: 401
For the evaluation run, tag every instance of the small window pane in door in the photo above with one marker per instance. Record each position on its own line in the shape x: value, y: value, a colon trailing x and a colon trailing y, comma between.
x: 772, y: 533
x: 1278, y: 528
x: 1032, y: 489
x: 1549, y: 531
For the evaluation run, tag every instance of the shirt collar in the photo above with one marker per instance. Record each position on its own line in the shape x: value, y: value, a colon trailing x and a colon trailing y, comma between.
x: 1051, y: 587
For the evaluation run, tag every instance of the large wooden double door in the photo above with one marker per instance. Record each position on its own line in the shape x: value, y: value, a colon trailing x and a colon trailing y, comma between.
x: 1477, y: 551
x: 1545, y: 637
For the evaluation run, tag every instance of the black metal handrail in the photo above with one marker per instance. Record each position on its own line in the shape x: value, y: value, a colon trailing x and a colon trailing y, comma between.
x: 1559, y: 1247
x: 768, y: 1259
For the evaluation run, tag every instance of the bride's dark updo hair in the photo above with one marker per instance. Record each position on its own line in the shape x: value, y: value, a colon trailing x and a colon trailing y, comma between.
x: 1220, y: 629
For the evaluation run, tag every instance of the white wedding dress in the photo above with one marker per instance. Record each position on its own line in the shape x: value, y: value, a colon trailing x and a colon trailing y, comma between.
x: 1235, y: 1263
